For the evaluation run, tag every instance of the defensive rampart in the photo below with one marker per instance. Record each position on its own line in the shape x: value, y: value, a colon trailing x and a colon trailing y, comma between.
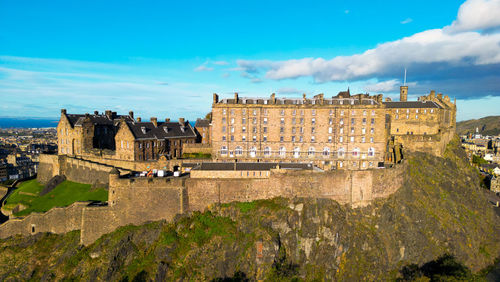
x: 141, y: 199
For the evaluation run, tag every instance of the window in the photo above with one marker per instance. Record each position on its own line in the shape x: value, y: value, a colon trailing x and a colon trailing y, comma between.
x: 293, y: 120
x: 282, y: 129
x: 363, y: 130
x: 371, y: 152
x: 243, y: 138
x: 265, y: 120
x: 341, y: 131
x: 254, y: 129
x: 329, y: 139
x: 341, y: 139
x: 353, y: 121
x: 416, y: 116
x: 312, y: 139
x: 253, y: 152
x: 416, y: 111
x: 363, y: 139
x: 293, y: 138
x: 397, y: 116
x: 232, y: 120
x: 243, y: 120
x: 352, y: 139
x: 232, y: 137
x: 330, y: 130
x: 254, y: 112
x: 223, y: 139
x: 364, y: 121
x: 223, y: 111
x: 341, y: 164
x: 282, y: 121
x: 244, y: 111
x: 301, y: 139
x: 265, y: 110
x: 355, y: 152
x: 121, y: 144
x: 313, y: 121
x: 223, y: 150
x: 147, y: 145
x: 342, y: 112
x: 254, y: 120
x: 243, y: 129
x: 238, y: 151
x: 364, y: 112
x: 353, y: 112
x: 294, y: 112
x: 373, y: 112
x: 313, y: 112
x: 223, y: 129
x: 232, y: 129
x: 264, y: 138
x: 267, y: 151
x: 371, y: 139
x: 296, y: 152
x: 301, y: 130
x: 341, y: 121
x: 432, y: 111
x: 313, y: 130
x: 282, y: 152
x: 326, y: 152
x: 407, y: 116
x: 254, y: 138
x: 282, y: 139
x: 282, y: 112
x: 352, y: 102
x: 373, y: 121
x: 310, y: 152
x: 301, y: 120
x: 294, y: 130
x: 352, y: 130
x: 341, y: 152
x: 223, y: 120
x: 331, y: 112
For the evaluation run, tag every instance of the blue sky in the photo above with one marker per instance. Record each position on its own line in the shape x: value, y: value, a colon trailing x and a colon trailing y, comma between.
x: 165, y: 59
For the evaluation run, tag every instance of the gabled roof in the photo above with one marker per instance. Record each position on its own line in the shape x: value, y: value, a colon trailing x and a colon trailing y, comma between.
x: 412, y: 104
x: 99, y: 119
x: 202, y: 123
x: 163, y: 130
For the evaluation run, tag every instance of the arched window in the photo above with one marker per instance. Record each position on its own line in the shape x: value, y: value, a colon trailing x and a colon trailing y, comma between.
x: 267, y: 151
x: 341, y: 152
x: 310, y: 152
x: 371, y: 152
x: 223, y: 150
x: 296, y: 152
x: 253, y: 152
x: 238, y: 151
x: 326, y: 152
x: 355, y: 152
x: 282, y: 152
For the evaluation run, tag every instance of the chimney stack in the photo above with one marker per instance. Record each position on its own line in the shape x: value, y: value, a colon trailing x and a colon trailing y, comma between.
x: 181, y: 121
x: 109, y: 114
x: 131, y: 114
x: 96, y: 113
x: 63, y: 111
x: 216, y: 98
x: 236, y: 97
x: 273, y: 98
x: 138, y: 119
x: 403, y: 93
x: 154, y: 121
x: 433, y: 94
x: 167, y: 120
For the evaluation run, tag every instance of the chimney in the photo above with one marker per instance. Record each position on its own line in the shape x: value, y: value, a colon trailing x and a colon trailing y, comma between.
x: 273, y: 98
x: 167, y: 120
x: 154, y: 121
x: 403, y: 93
x: 440, y: 96
x: 380, y: 98
x: 138, y: 119
x: 109, y: 114
x: 131, y: 114
x: 63, y: 111
x: 181, y: 121
x: 433, y: 94
x: 96, y: 113
x: 216, y: 98
x: 388, y: 99
x: 236, y: 97
x: 87, y: 115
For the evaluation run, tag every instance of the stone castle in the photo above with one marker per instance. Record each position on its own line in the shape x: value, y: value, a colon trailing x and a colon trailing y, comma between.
x: 260, y: 148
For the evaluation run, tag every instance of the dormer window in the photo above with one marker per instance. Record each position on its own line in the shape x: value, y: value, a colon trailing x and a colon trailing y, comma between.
x: 166, y: 129
x: 143, y: 129
x: 183, y: 128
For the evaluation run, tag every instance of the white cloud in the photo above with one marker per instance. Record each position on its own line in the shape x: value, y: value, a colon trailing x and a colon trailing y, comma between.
x: 408, y: 20
x: 289, y: 90
x: 203, y: 68
x: 220, y: 63
x: 383, y: 86
x: 477, y: 15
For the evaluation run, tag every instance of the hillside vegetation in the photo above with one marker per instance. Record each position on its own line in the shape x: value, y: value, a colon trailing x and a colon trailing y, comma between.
x: 64, y: 194
x: 439, y: 219
x: 487, y: 126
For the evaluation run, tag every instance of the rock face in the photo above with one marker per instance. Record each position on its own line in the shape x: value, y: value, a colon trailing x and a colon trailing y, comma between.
x: 440, y: 209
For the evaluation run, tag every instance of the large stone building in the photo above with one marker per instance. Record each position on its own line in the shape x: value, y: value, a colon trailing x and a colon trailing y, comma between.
x: 121, y: 136
x: 345, y: 131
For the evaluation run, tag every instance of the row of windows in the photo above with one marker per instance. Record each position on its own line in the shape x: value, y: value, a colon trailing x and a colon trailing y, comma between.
x: 293, y: 112
x: 341, y: 152
x: 300, y: 139
x: 294, y: 130
x: 416, y: 111
x: 301, y: 121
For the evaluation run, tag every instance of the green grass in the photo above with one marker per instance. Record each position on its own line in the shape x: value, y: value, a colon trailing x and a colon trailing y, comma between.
x: 196, y: 156
x: 63, y: 195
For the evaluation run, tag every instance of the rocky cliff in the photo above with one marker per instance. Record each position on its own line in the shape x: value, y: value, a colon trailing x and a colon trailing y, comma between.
x: 441, y: 209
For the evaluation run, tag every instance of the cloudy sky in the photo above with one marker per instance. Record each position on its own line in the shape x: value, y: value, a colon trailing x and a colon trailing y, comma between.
x: 166, y: 59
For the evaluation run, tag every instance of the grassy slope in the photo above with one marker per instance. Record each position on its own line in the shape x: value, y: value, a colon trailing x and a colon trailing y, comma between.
x: 64, y: 194
x: 487, y: 125
x: 441, y: 209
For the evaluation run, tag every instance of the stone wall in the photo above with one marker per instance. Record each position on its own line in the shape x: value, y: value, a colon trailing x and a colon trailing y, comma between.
x: 48, y: 167
x: 188, y: 148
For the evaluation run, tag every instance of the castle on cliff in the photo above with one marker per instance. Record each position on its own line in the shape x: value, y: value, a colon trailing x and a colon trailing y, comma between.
x: 259, y: 148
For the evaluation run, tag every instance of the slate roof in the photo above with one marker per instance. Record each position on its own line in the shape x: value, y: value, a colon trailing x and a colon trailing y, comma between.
x: 147, y: 130
x: 99, y: 119
x: 202, y: 123
x: 252, y: 166
x: 412, y: 104
x: 301, y: 101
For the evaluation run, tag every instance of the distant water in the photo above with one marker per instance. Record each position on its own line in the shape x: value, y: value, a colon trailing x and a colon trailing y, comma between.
x: 12, y: 122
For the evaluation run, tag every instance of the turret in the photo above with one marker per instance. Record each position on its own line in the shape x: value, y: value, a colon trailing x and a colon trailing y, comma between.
x: 216, y: 98
x: 154, y: 120
x: 403, y: 93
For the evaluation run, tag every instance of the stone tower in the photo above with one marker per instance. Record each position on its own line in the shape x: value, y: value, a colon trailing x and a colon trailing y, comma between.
x: 403, y: 93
